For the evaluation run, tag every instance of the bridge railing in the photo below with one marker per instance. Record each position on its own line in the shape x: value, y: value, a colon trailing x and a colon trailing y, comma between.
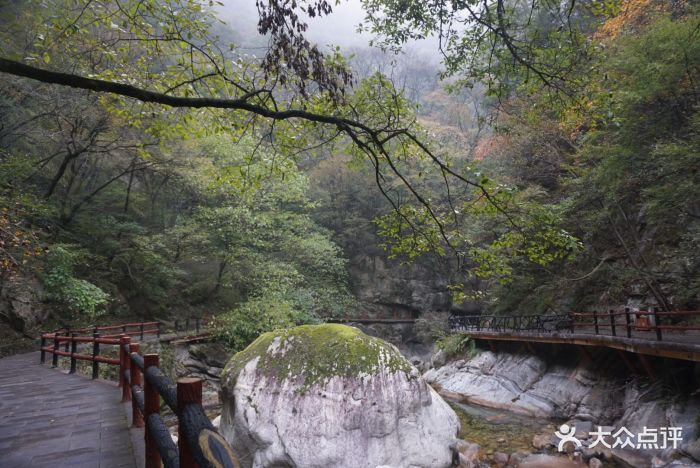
x: 647, y: 324
x: 69, y: 340
x: 144, y: 384
x: 199, y: 444
x: 139, y: 328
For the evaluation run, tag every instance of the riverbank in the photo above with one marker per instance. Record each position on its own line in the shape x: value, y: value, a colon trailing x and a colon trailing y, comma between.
x: 552, y: 388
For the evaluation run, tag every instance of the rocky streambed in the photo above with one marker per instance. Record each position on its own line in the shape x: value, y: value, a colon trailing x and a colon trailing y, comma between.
x: 588, y: 394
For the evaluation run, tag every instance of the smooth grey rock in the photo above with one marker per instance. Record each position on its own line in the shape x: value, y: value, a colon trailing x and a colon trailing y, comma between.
x: 595, y: 463
x: 22, y: 303
x: 693, y: 449
x: 631, y: 458
x: 548, y: 461
x: 516, y: 457
x: 500, y: 459
x: 542, y: 441
x: 382, y: 413
x: 468, y: 454
x: 527, y: 384
x: 438, y: 359
x: 682, y: 463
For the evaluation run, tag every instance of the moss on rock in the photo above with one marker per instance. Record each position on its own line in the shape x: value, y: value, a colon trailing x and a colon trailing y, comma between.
x: 313, y: 354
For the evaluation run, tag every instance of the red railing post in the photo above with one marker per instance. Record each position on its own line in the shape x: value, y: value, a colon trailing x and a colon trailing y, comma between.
x: 151, y: 405
x: 595, y: 321
x: 655, y: 311
x: 54, y: 358
x: 95, y: 353
x: 612, y: 322
x: 73, y: 351
x: 136, y: 416
x: 125, y: 364
x: 189, y: 390
x: 43, y: 353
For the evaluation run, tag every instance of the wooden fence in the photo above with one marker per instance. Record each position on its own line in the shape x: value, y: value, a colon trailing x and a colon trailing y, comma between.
x: 144, y: 384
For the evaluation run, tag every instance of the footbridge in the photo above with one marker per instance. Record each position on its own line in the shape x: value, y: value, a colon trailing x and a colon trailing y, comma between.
x: 668, y: 334
x: 54, y: 416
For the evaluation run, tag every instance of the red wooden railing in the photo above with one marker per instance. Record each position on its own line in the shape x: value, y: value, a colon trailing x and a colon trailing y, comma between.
x: 70, y: 339
x: 629, y: 321
x: 666, y: 326
x: 143, y: 383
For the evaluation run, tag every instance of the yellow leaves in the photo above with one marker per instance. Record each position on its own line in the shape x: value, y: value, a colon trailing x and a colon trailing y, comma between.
x: 632, y: 14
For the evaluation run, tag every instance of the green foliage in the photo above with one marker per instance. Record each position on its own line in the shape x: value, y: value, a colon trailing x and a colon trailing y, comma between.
x: 429, y: 331
x: 80, y: 297
x: 457, y: 343
x: 622, y: 183
x: 239, y: 327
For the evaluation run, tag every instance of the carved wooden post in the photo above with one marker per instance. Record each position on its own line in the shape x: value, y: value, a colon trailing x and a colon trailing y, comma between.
x: 656, y: 323
x: 136, y: 415
x: 43, y: 353
x: 189, y: 390
x: 54, y: 359
x: 612, y: 322
x: 95, y: 353
x: 595, y: 321
x: 73, y: 350
x: 141, y: 331
x: 628, y: 322
x: 125, y: 366
x: 151, y: 405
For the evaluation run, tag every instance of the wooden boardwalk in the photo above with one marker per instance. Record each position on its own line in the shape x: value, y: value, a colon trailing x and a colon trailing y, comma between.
x: 51, y: 419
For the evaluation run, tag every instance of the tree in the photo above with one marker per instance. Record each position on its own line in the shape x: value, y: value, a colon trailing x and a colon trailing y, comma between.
x: 189, y: 69
x: 163, y: 55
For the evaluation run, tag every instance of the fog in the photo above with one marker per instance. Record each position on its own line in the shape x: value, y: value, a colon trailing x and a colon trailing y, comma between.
x: 338, y: 29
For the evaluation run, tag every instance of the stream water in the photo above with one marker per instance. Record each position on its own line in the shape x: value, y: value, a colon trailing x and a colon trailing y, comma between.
x: 500, y: 431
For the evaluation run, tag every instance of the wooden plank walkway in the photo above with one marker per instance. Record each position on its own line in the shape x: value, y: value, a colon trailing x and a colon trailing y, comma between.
x: 688, y: 349
x: 51, y: 419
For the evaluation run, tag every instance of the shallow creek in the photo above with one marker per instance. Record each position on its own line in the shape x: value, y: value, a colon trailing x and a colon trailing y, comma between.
x: 499, y: 431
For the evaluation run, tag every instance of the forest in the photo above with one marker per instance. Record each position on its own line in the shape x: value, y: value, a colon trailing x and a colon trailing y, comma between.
x: 545, y: 159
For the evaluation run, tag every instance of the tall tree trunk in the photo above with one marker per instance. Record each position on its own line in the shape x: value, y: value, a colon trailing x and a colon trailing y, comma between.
x: 219, y: 276
x: 128, y: 187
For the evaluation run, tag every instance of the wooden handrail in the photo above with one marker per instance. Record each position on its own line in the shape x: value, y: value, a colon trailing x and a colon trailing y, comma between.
x: 143, y: 383
x: 604, y: 323
x: 190, y: 324
x: 199, y: 443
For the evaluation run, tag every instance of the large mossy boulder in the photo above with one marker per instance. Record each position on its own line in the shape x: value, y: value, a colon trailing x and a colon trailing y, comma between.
x: 329, y: 395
